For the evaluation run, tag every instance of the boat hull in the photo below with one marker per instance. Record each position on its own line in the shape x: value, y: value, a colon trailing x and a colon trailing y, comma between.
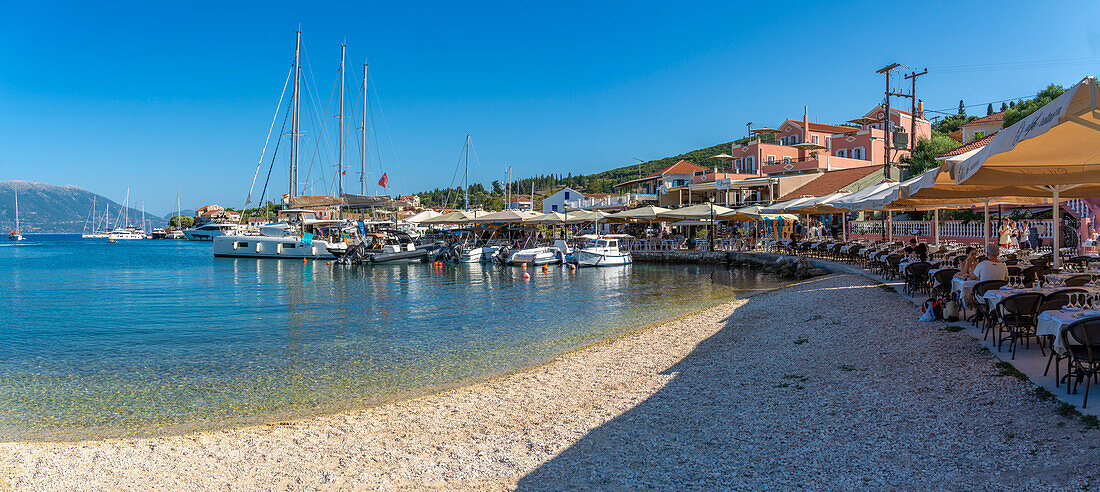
x: 543, y: 257
x: 204, y: 235
x: 587, y: 258
x: 269, y: 247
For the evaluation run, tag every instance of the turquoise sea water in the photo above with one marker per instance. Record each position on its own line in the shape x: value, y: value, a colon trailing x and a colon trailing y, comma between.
x: 151, y: 337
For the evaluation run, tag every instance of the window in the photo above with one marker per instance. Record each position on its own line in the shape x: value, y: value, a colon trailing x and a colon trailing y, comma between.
x: 771, y: 159
x: 794, y: 139
x: 750, y: 165
x: 840, y: 153
x: 813, y: 138
x: 242, y: 244
x: 857, y: 153
x: 567, y: 195
x: 786, y: 160
x: 737, y: 165
x: 553, y: 208
x: 289, y: 245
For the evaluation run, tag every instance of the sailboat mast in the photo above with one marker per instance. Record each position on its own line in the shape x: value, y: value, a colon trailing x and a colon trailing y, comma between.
x: 16, y: 209
x: 340, y: 144
x: 295, y: 99
x: 466, y: 179
x: 363, y: 136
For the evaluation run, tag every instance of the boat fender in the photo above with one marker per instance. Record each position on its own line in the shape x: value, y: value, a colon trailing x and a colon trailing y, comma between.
x: 526, y: 275
x: 234, y: 245
x: 524, y: 265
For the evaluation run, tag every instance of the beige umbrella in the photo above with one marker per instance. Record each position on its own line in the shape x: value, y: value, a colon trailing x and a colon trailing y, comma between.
x: 552, y: 218
x: 641, y: 214
x: 697, y: 212
x: 504, y: 217
x: 1055, y: 151
x: 721, y: 157
x: 447, y: 218
x: 422, y: 216
x: 782, y: 207
x: 809, y: 146
x: 582, y: 216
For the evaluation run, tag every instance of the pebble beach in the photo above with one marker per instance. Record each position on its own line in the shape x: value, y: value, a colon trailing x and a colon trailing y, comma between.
x: 828, y: 384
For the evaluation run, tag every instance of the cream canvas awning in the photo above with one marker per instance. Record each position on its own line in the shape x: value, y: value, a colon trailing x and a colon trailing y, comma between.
x: 701, y: 211
x: 641, y: 214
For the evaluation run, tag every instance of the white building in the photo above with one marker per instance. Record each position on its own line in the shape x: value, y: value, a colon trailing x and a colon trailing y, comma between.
x: 556, y: 202
x: 519, y: 203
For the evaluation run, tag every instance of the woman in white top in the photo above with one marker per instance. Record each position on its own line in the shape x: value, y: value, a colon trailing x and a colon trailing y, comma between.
x: 992, y: 268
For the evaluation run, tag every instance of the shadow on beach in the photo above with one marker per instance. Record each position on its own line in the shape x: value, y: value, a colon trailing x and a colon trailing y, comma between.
x: 831, y: 384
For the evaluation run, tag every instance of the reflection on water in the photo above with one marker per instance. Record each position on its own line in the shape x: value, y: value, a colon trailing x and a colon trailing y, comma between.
x: 157, y: 336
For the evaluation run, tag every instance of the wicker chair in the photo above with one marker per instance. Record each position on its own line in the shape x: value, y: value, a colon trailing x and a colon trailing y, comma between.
x: 941, y: 280
x: 984, y: 314
x: 1078, y: 280
x: 1034, y: 272
x: 1017, y: 315
x: 1082, y: 340
x: 893, y: 263
x: 916, y: 277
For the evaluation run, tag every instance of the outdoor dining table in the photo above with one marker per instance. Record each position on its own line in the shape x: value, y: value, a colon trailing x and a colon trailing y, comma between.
x: 965, y: 288
x: 993, y: 297
x: 1050, y: 323
x: 1057, y: 277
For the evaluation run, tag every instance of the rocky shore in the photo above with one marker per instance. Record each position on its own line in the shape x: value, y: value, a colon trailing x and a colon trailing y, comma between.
x: 828, y: 384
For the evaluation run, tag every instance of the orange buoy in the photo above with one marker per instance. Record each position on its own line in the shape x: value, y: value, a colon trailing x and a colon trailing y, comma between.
x: 328, y: 262
x: 303, y: 260
x: 526, y: 275
x: 524, y: 265
x: 572, y: 266
x: 545, y: 268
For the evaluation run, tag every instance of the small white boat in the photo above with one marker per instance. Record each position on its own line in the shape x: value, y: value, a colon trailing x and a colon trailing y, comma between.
x: 158, y: 233
x: 540, y: 256
x: 176, y: 234
x: 209, y: 231
x: 126, y: 234
x: 478, y: 254
x: 603, y: 251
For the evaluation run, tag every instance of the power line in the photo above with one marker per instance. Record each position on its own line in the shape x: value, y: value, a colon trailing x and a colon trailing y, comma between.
x: 1016, y: 65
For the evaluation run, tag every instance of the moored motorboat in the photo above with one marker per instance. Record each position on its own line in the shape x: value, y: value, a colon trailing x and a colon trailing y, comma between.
x: 543, y: 255
x: 211, y: 230
x: 604, y: 251
x: 126, y: 233
x: 297, y: 234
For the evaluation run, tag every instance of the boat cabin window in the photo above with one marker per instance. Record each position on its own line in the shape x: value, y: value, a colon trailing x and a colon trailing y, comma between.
x: 289, y: 245
x: 242, y: 244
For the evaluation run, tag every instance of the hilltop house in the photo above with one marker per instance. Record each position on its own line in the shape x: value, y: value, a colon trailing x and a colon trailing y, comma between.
x: 556, y: 201
x: 980, y: 127
x: 774, y: 162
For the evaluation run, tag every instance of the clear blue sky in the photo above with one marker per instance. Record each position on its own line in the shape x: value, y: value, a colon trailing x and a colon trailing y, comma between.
x: 159, y: 95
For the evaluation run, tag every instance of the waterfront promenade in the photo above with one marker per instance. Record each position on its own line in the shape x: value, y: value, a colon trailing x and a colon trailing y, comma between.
x: 827, y: 384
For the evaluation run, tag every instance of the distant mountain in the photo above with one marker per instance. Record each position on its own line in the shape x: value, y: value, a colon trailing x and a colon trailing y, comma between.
x: 46, y: 208
x: 190, y: 212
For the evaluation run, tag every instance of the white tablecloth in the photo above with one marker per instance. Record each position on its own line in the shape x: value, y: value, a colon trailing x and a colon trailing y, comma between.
x: 993, y: 297
x: 1052, y: 322
x: 964, y: 287
x: 1052, y: 277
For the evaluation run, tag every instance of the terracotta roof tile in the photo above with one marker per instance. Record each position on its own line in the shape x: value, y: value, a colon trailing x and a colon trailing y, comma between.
x: 831, y: 182
x: 976, y: 144
x: 825, y: 127
x: 998, y: 117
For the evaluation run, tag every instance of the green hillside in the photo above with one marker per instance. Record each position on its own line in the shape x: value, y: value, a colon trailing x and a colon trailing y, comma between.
x: 492, y: 197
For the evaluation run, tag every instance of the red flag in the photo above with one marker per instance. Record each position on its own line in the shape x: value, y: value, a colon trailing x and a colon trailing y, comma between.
x: 384, y: 181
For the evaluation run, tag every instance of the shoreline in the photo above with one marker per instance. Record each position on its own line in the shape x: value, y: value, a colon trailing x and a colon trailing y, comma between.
x: 736, y: 387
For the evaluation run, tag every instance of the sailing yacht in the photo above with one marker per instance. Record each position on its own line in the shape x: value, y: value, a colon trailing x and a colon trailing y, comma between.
x: 15, y: 235
x: 96, y: 233
x: 128, y: 232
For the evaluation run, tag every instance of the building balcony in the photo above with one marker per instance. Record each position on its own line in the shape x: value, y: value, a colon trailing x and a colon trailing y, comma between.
x: 609, y: 202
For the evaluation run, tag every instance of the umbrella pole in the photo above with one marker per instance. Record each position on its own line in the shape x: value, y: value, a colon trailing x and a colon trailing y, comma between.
x: 844, y: 227
x: 1054, y: 240
x: 711, y: 226
x: 936, y: 224
x: 985, y: 224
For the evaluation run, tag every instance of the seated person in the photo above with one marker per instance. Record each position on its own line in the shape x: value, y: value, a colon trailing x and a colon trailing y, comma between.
x: 966, y: 269
x: 921, y: 250
x: 992, y: 268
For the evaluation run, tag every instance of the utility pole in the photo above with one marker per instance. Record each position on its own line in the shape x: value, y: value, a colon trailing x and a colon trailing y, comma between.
x: 887, y: 123
x: 639, y: 167
x: 913, y: 114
